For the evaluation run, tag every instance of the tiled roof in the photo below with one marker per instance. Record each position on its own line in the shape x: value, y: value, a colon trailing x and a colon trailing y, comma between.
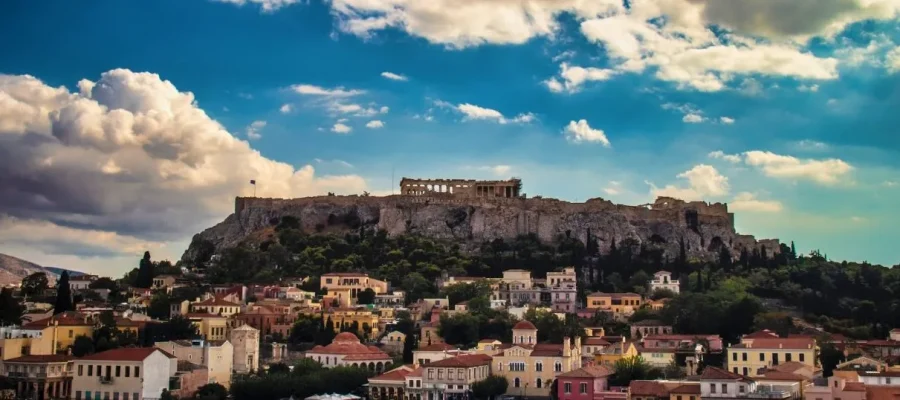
x: 524, y: 324
x: 687, y: 389
x: 591, y: 371
x: 595, y: 341
x: 416, y: 373
x: 649, y: 322
x: 124, y: 354
x: 216, y: 301
x: 347, y: 344
x: 648, y: 388
x: 765, y: 333
x: 882, y: 393
x: 777, y: 343
x: 395, y: 375
x: 49, y: 358
x: 775, y: 375
x: 547, y: 350
x: 203, y: 315
x: 791, y: 366
x: 854, y: 387
x: 678, y: 337
x: 436, y: 347
x: 465, y: 361
x: 68, y: 318
x: 714, y: 373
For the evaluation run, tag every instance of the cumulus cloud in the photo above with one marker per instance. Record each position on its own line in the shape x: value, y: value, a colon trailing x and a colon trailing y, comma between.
x: 746, y: 201
x: 131, y: 155
x: 55, y: 239
x: 808, y: 88
x: 473, y: 112
x: 498, y: 170
x: 286, y: 109
x: 613, y: 188
x: 578, y: 132
x: 265, y: 5
x: 394, y: 77
x: 375, y: 124
x: 573, y: 77
x: 726, y: 120
x: 826, y: 172
x: 703, y: 181
x: 692, y: 118
x: 892, y: 60
x: 253, y: 131
x: 341, y: 128
x: 313, y: 90
x: 719, y: 154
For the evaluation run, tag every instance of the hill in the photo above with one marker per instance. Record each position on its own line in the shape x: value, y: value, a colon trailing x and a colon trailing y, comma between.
x: 13, y: 269
x: 666, y: 225
x: 58, y: 271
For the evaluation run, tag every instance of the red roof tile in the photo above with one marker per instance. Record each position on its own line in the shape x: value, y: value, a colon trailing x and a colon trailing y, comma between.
x: 216, y: 301
x: 466, y: 361
x: 648, y: 388
x: 397, y: 375
x: 854, y: 387
x: 882, y: 393
x: 436, y: 347
x: 714, y: 373
x: 765, y: 333
x: 49, y: 358
x: 524, y: 324
x: 68, y: 318
x: 125, y: 354
x: 347, y: 344
x: 687, y: 389
x: 591, y: 371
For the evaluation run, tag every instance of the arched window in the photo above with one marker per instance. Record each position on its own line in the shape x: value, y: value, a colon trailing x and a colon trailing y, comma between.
x: 539, y: 366
x: 516, y: 383
x: 557, y: 367
x: 539, y: 383
x: 530, y: 338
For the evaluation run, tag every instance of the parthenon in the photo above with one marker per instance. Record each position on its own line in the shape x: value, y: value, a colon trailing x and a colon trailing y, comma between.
x: 510, y: 188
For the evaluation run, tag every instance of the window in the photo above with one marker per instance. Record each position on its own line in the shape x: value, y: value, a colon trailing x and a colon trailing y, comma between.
x: 90, y: 373
x: 137, y: 372
x: 762, y: 356
x: 678, y: 397
x: 787, y: 357
x: 499, y: 366
x: 127, y: 371
x: 724, y: 388
x: 557, y: 367
x: 712, y: 387
x: 87, y: 394
x: 567, y: 387
x: 115, y: 395
x: 125, y: 396
x: 741, y: 388
x: 430, y: 374
x: 516, y: 382
x: 734, y: 370
x: 745, y: 371
x: 118, y: 371
x: 734, y: 356
x: 538, y: 383
x: 744, y: 357
x: 802, y: 357
x: 80, y: 370
x: 70, y: 333
x: 887, y: 381
x: 539, y: 366
x: 77, y: 395
x: 582, y: 387
x: 135, y: 395
x: 109, y: 370
x: 450, y: 374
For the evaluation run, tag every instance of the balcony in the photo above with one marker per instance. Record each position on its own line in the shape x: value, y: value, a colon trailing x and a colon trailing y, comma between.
x: 106, y: 380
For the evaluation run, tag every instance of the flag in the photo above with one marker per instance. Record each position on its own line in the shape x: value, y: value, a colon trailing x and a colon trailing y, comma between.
x: 253, y: 181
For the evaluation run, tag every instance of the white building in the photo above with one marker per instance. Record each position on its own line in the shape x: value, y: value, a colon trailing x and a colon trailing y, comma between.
x: 663, y: 280
x: 217, y: 356
x: 123, y: 374
x: 346, y: 350
x: 245, y: 341
x: 81, y: 282
x: 880, y: 378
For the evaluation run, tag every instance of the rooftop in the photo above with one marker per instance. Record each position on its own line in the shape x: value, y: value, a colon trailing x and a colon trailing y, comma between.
x: 591, y: 371
x: 125, y: 354
x: 49, y: 358
x: 524, y: 324
x: 464, y: 361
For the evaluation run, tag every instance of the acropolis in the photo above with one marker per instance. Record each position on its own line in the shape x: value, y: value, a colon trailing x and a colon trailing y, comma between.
x: 510, y: 188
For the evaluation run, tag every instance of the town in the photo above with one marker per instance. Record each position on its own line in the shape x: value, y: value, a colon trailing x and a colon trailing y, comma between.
x: 362, y: 337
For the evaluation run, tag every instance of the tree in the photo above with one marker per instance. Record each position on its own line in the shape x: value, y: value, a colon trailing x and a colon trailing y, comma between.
x: 211, y: 391
x: 673, y: 371
x: 631, y: 369
x: 551, y: 329
x: 279, y: 368
x: 490, y: 387
x: 34, y: 284
x: 167, y: 395
x: 305, y: 329
x: 63, y: 295
x: 410, y: 343
x: 82, y: 346
x: 779, y: 322
x: 466, y: 291
x: 11, y: 309
x: 160, y: 306
x: 145, y: 272
x: 366, y: 296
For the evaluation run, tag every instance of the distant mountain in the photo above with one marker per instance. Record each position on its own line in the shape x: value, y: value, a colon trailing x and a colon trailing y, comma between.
x: 58, y: 271
x: 13, y: 269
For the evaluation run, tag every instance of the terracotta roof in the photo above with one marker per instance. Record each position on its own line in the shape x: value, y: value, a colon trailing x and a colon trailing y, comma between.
x: 524, y: 324
x: 216, y: 301
x: 614, y: 295
x: 775, y: 375
x: 397, y: 374
x: 687, y: 389
x: 882, y: 343
x: 765, y: 333
x: 353, y: 274
x: 649, y: 322
x: 416, y: 373
x: 595, y: 341
x: 203, y: 315
x: 436, y: 347
x: 465, y: 361
x: 591, y: 371
x: 49, y: 358
x: 347, y: 344
x: 125, y: 354
x: 854, y: 387
x: 791, y: 366
x: 679, y: 337
x: 777, y: 343
x: 68, y: 318
x: 882, y: 393
x: 648, y: 388
x: 547, y: 350
x: 714, y: 373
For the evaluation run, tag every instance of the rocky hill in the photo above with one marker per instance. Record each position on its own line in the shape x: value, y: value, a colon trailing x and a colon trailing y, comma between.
x: 704, y: 227
x: 13, y: 269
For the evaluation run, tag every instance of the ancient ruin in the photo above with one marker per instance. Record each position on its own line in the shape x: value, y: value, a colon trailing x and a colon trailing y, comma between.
x: 510, y: 188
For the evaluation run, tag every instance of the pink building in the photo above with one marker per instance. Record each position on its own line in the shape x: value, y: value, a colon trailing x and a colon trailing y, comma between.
x: 587, y: 383
x: 837, y: 389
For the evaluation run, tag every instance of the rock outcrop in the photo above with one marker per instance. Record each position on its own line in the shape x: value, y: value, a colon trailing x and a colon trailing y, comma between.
x: 13, y: 270
x: 704, y: 227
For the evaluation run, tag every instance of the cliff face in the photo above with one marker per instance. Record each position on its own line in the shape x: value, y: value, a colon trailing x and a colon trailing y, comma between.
x: 470, y: 221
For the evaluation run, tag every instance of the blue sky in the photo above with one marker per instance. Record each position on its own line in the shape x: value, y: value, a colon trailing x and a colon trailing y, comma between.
x: 131, y: 125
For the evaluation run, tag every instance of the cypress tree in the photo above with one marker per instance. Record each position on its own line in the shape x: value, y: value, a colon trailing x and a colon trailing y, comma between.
x: 145, y: 272
x: 63, y: 295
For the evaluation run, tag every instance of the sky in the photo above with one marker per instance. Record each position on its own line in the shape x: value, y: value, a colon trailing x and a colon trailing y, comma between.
x: 128, y: 126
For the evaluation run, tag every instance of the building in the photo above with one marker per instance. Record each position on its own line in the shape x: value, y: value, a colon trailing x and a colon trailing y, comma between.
x: 391, y: 384
x: 57, y: 333
x: 880, y: 378
x: 592, y: 345
x: 260, y: 317
x: 124, y: 374
x: 394, y: 341
x: 346, y: 286
x: 217, y: 356
x: 209, y: 326
x: 662, y: 280
x: 661, y: 350
x: 39, y: 377
x: 757, y: 352
x: 81, y: 282
x: 510, y: 188
x: 245, y: 343
x: 216, y: 305
x: 188, y: 379
x: 346, y: 350
x: 615, y: 352
x: 648, y: 327
x: 425, y: 355
x: 164, y: 281
x: 452, y: 378
x: 655, y: 390
x: 717, y: 383
x: 529, y: 366
x: 584, y: 383
x: 365, y: 321
x: 620, y: 304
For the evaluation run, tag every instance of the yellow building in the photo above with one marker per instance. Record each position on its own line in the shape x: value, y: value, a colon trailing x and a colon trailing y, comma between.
x: 346, y: 286
x: 46, y: 336
x: 761, y: 350
x: 530, y: 367
x: 623, y: 304
x: 209, y: 326
x: 215, y: 305
x: 347, y: 316
x: 615, y: 352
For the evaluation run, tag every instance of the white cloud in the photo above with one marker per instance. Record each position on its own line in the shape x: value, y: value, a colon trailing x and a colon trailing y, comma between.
x: 892, y: 60
x: 341, y: 163
x: 341, y: 128
x: 692, y: 118
x: 384, y: 109
x: 808, y: 88
x: 375, y: 124
x: 578, y: 132
x: 703, y: 181
x: 253, y: 131
x: 726, y: 120
x: 826, y: 172
x: 719, y: 154
x: 265, y: 5
x: 811, y: 145
x: 473, y: 112
x: 499, y: 170
x: 573, y: 77
x: 312, y: 90
x: 170, y: 170
x: 55, y: 239
x: 613, y: 188
x: 746, y: 201
x: 394, y: 77
x: 356, y: 110
x: 286, y: 109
